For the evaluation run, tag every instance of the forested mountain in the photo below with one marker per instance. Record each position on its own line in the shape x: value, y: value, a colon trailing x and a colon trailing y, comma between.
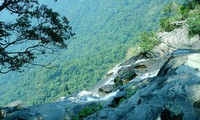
x: 105, y: 29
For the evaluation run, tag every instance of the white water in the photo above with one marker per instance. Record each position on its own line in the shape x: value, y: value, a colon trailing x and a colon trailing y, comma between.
x: 88, y: 96
x: 150, y: 74
x: 114, y: 73
x: 141, y: 60
x: 144, y: 76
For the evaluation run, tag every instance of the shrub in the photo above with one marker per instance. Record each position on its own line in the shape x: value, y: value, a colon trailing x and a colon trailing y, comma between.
x: 166, y: 25
x: 121, y: 100
x: 131, y: 92
x: 148, y: 41
x: 89, y: 110
x: 184, y: 11
x: 194, y: 25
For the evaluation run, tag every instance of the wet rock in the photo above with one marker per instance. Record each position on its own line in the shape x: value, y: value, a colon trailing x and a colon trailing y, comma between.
x: 125, y: 75
x: 108, y: 88
x: 173, y: 94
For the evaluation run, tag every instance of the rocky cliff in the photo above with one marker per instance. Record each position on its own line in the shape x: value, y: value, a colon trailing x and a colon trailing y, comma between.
x: 171, y: 95
x: 165, y: 87
x: 176, y: 39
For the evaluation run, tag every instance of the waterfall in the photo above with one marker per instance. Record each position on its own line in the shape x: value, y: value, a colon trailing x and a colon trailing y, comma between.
x: 88, y: 96
x: 93, y: 95
x: 114, y: 73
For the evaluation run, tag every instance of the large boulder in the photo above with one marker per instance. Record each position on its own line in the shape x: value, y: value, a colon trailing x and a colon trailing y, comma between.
x: 108, y: 88
x: 176, y: 39
x: 125, y: 75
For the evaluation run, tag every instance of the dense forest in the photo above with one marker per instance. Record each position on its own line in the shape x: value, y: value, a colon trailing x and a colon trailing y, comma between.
x: 105, y: 31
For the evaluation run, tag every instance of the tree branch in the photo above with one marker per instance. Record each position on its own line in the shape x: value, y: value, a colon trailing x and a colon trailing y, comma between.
x: 6, y: 3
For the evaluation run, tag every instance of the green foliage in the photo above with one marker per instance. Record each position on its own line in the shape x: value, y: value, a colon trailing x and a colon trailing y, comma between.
x: 176, y: 12
x: 89, y: 110
x: 168, y: 9
x: 132, y: 51
x: 35, y: 28
x: 184, y: 11
x: 173, y: 12
x: 130, y: 92
x: 121, y: 100
x: 194, y: 24
x: 166, y: 25
x: 148, y: 41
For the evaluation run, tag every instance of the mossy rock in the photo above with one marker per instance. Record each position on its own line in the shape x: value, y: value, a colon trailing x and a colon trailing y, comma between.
x: 118, y: 81
x: 124, y: 77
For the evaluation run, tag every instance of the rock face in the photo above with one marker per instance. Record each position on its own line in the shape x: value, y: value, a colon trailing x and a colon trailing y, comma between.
x: 108, y: 88
x: 133, y: 70
x: 176, y: 39
x: 174, y: 94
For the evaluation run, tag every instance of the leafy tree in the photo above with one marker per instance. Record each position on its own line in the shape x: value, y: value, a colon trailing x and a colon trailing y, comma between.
x: 36, y: 29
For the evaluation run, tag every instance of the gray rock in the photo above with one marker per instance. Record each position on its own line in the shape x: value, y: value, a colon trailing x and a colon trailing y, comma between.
x: 48, y: 111
x: 12, y: 107
x: 173, y: 94
x: 108, y: 88
x: 176, y: 39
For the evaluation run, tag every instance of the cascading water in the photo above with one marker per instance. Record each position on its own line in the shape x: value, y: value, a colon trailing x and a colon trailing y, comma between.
x: 114, y: 73
x: 144, y: 76
x: 88, y: 96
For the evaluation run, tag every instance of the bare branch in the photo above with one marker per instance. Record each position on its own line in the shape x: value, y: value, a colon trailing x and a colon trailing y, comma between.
x: 46, y: 65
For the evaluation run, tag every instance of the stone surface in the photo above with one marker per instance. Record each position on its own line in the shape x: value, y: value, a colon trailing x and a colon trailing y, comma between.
x: 174, y: 93
x: 48, y: 111
x: 176, y: 39
x: 108, y: 88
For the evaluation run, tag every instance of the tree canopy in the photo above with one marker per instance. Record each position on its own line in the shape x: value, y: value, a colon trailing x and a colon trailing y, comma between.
x: 36, y: 30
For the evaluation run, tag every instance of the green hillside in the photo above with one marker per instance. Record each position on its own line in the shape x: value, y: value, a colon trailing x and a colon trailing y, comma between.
x: 105, y: 30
